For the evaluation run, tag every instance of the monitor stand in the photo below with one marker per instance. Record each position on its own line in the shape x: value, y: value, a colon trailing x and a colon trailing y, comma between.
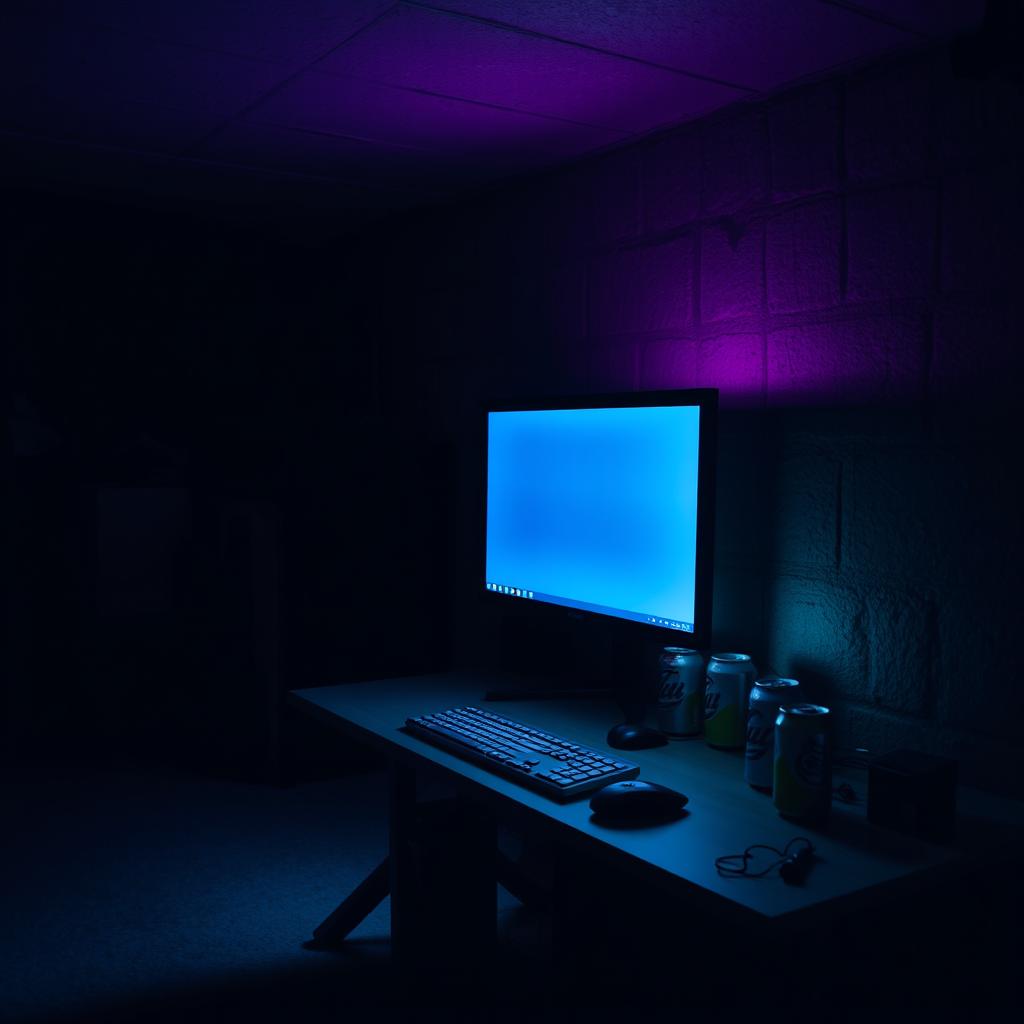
x: 627, y: 673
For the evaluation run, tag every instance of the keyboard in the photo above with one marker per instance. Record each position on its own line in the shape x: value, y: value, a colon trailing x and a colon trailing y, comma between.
x: 550, y: 764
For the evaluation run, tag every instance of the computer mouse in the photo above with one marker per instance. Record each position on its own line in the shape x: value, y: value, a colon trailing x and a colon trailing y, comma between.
x: 637, y: 802
x: 631, y: 736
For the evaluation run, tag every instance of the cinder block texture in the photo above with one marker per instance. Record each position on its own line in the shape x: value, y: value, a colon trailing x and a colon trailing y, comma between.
x: 646, y: 288
x: 671, y: 181
x: 802, y: 261
x: 611, y: 367
x: 978, y: 352
x: 903, y: 512
x: 733, y: 363
x: 977, y: 120
x: 803, y: 128
x: 800, y: 503
x: 610, y: 194
x: 742, y: 530
x: 989, y: 548
x: 874, y: 360
x: 731, y: 271
x: 670, y: 363
x: 891, y: 243
x: 735, y: 162
x: 978, y: 683
x: 817, y: 634
x: 738, y: 607
x: 982, y: 229
x: 888, y: 119
x: 901, y: 640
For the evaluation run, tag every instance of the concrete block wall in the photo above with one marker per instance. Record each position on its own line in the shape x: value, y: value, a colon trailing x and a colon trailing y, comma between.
x: 841, y: 261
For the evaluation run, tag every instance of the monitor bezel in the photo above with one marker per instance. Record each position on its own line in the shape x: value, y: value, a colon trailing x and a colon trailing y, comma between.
x: 706, y: 401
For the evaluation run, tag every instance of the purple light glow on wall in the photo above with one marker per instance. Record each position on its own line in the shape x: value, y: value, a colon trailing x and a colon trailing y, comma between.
x: 733, y: 363
x: 871, y: 361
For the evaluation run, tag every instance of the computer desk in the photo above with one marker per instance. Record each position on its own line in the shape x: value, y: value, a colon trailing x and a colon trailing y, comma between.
x: 859, y: 865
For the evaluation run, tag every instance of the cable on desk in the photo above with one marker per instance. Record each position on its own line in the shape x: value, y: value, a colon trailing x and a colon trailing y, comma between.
x: 792, y: 861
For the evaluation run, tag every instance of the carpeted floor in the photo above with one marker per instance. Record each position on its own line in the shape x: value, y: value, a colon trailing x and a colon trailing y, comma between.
x: 141, y: 895
x: 138, y: 895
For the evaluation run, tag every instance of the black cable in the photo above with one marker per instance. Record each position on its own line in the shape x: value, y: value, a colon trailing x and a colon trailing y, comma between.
x: 736, y: 865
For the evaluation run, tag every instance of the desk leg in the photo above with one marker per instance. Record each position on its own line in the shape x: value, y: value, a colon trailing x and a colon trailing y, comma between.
x: 363, y: 900
x: 402, y: 862
x: 443, y: 893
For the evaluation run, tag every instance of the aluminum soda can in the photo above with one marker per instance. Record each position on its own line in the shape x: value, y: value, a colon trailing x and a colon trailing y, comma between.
x: 765, y: 699
x: 680, y: 708
x: 729, y: 679
x: 802, y: 782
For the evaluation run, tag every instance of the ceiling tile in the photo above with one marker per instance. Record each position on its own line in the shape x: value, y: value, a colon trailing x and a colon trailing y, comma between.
x: 365, y: 110
x: 291, y: 31
x: 454, y: 56
x: 932, y: 17
x: 408, y: 101
x: 79, y: 61
x: 755, y: 43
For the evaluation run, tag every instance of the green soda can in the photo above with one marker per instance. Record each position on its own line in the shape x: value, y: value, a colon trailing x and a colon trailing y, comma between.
x: 802, y: 780
x: 730, y: 677
x: 767, y: 696
x: 681, y: 694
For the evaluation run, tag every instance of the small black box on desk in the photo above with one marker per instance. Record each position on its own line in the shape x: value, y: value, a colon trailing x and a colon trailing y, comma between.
x: 914, y: 793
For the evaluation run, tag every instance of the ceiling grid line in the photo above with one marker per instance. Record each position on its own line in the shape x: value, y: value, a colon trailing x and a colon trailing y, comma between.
x: 339, y: 101
x: 286, y: 81
x: 531, y: 33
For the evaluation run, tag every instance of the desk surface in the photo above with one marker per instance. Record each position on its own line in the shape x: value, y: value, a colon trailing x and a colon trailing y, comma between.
x: 858, y: 861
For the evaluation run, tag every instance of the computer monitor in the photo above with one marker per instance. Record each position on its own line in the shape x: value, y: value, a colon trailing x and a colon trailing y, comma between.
x: 605, y: 505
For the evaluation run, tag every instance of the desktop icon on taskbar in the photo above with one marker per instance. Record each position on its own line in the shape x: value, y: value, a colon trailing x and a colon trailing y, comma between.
x: 686, y: 627
x: 500, y: 588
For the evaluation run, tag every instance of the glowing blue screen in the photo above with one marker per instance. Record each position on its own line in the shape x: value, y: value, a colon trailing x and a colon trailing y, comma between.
x: 595, y: 509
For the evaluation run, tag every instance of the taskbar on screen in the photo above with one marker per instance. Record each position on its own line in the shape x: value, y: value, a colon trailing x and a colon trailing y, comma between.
x: 569, y: 602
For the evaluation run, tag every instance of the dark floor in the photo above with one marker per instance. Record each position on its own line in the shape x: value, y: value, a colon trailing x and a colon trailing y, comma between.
x: 138, y: 894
